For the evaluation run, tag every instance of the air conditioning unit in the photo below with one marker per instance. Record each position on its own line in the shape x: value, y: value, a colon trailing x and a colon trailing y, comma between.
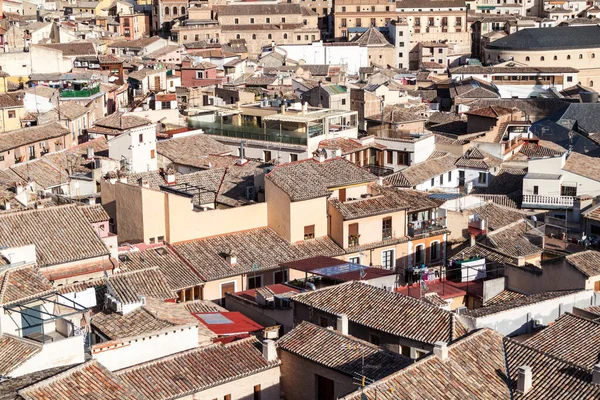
x: 250, y: 192
x: 460, y: 310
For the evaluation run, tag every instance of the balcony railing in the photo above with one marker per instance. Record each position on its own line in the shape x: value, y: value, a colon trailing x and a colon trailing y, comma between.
x: 251, y: 133
x: 353, y: 240
x: 80, y: 93
x: 426, y: 226
x: 542, y: 201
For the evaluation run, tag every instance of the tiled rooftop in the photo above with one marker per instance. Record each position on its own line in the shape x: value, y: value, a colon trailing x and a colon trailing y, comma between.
x: 60, y: 234
x: 261, y: 246
x: 89, y: 380
x: 309, y: 179
x: 21, y: 137
x: 188, y: 150
x: 15, y: 351
x: 588, y: 262
x: 516, y: 239
x: 177, y: 274
x: 22, y: 283
x: 571, y: 338
x: 497, y: 216
x: 473, y: 370
x: 421, y: 172
x: 197, y: 370
x: 385, y: 311
x: 583, y: 165
x: 95, y: 213
x: 341, y: 353
x: 127, y: 287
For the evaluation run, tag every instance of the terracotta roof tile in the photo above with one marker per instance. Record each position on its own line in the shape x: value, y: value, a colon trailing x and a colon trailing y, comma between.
x: 586, y: 166
x: 15, y: 351
x: 385, y: 311
x: 89, y: 380
x: 128, y: 287
x: 95, y: 213
x: 21, y: 137
x: 197, y: 370
x: 341, y: 353
x: 588, y: 262
x: 309, y: 179
x: 60, y: 234
x: 421, y: 172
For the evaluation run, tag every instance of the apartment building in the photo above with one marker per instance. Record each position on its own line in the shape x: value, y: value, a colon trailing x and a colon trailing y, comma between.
x: 264, y: 24
x: 165, y: 12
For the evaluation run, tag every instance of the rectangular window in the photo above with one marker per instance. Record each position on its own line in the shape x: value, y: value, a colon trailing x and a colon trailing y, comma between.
x: 267, y: 155
x: 373, y: 21
x: 254, y: 281
x: 160, y: 238
x: 283, y: 20
x: 293, y: 157
x: 141, y: 138
x: 309, y: 232
x: 390, y: 157
x: 354, y: 260
x: 353, y: 235
x: 12, y: 114
x: 449, y: 176
x: 358, y: 23
x: 152, y: 154
x: 535, y: 190
x: 401, y: 158
x: 251, y: 20
x: 151, y: 240
x: 199, y: 74
x: 343, y: 102
x: 441, y: 179
x: 268, y: 20
x: 435, y: 251
x: 386, y: 228
x: 432, y: 181
x: 227, y: 397
x: 257, y: 392
x: 387, y: 259
x: 483, y: 178
x: 31, y: 151
x: 568, y: 191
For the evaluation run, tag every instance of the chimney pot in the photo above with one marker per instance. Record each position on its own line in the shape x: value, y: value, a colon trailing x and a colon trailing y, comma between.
x: 524, y: 379
x: 440, y: 350
x: 342, y: 324
x: 596, y: 375
x: 268, y: 350
x: 232, y: 259
x: 473, y: 241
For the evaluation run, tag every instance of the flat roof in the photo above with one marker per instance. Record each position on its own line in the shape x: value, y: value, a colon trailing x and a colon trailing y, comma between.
x: 228, y: 323
x: 337, y: 269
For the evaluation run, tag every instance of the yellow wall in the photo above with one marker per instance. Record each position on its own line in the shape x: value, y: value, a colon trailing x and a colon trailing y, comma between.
x: 278, y: 210
x: 305, y: 213
x: 9, y: 124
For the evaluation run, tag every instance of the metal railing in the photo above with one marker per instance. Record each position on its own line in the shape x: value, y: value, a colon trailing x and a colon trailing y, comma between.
x: 80, y: 93
x: 424, y: 226
x: 251, y: 133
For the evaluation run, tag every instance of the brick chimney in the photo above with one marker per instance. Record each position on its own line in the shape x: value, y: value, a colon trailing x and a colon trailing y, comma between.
x: 524, y: 379
x: 440, y: 350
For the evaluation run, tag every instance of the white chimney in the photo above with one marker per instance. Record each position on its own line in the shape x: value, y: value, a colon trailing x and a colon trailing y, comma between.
x: 473, y: 241
x: 440, y: 350
x: 596, y: 375
x: 6, y: 204
x: 232, y: 258
x: 123, y: 179
x: 170, y: 177
x: 342, y: 324
x: 90, y: 153
x: 304, y: 108
x: 268, y: 350
x: 145, y: 183
x: 524, y: 379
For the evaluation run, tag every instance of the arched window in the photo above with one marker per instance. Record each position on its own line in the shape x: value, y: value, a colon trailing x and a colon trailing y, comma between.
x: 591, y: 83
x: 593, y: 55
x: 182, y: 10
x: 167, y: 10
x: 253, y: 36
x: 569, y: 57
x: 555, y: 58
x: 237, y: 36
x: 285, y: 35
x: 174, y: 10
x: 580, y: 56
x: 526, y: 58
x: 542, y: 58
x: 270, y: 36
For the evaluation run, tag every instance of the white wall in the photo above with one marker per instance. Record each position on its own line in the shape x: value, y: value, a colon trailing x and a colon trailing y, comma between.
x: 20, y: 64
x: 139, y: 153
x: 119, y: 354
x: 86, y: 298
x: 448, y: 185
x: 54, y: 354
x: 243, y: 389
x: 353, y: 57
x: 519, y: 321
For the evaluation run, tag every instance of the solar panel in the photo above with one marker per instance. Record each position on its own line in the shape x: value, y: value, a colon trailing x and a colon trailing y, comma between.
x: 214, y: 319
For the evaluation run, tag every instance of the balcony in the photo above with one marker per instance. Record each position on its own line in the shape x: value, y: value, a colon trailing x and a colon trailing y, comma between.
x: 353, y: 240
x: 386, y: 233
x: 251, y: 133
x: 547, y: 202
x: 426, y: 226
x: 80, y: 93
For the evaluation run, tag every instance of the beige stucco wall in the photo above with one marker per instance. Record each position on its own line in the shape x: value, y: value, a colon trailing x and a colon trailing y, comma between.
x: 588, y: 65
x: 305, y: 213
x: 212, y: 289
x: 242, y: 389
x: 130, y: 212
x: 278, y: 210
